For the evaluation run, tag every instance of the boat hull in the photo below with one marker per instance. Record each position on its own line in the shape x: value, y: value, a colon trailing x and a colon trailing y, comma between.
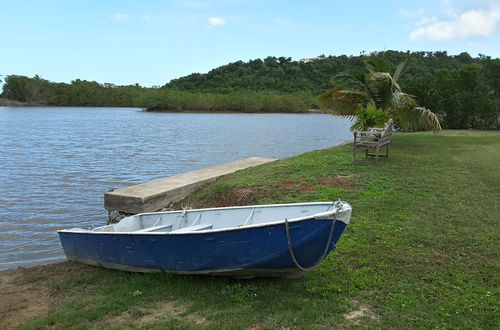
x: 245, y: 252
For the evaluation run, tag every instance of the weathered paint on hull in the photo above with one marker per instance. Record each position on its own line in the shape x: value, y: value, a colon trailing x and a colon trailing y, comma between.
x: 239, y: 273
x: 245, y: 252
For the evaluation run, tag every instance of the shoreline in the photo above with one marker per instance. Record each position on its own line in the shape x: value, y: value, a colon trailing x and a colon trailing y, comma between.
x: 401, y: 261
x: 47, y: 241
x: 36, y: 264
x: 31, y: 105
x: 17, y: 104
x: 310, y: 111
x: 343, y: 145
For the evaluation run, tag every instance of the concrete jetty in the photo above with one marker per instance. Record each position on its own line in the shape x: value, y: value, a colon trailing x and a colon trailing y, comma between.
x: 155, y: 195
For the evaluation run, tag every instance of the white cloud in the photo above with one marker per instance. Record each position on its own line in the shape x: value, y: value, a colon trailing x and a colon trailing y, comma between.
x: 472, y: 23
x: 119, y: 16
x: 216, y: 21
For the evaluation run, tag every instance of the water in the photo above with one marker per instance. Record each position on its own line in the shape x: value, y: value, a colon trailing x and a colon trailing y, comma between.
x: 56, y: 163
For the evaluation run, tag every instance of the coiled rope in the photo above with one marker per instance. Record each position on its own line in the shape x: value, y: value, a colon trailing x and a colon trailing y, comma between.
x: 328, y: 242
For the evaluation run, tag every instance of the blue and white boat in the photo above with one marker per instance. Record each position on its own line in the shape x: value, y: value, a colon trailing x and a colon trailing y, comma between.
x: 281, y: 240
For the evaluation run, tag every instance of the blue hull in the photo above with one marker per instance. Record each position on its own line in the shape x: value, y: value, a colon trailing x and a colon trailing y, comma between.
x: 243, y: 252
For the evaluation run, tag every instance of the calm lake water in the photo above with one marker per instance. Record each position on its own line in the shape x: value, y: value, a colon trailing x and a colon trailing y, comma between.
x: 56, y: 163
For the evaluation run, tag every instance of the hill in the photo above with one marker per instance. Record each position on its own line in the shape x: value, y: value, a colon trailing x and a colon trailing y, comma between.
x: 281, y: 74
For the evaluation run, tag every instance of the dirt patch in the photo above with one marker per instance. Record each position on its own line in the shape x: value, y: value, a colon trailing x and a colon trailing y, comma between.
x: 235, y: 197
x: 360, y: 312
x: 250, y: 195
x: 140, y: 316
x: 297, y: 185
x: 339, y: 181
x: 305, y: 185
x: 26, y: 294
x: 20, y: 300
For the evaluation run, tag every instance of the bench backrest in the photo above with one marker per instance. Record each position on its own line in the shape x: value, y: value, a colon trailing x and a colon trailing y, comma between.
x: 389, y: 127
x: 387, y: 132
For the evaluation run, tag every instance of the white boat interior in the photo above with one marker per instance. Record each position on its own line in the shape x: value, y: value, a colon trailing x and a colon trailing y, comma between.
x: 228, y: 218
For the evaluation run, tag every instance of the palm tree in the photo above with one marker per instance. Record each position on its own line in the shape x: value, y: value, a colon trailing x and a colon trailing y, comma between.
x: 379, y: 87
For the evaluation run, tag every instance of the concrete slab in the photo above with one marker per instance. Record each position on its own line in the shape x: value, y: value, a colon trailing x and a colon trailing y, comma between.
x: 154, y: 195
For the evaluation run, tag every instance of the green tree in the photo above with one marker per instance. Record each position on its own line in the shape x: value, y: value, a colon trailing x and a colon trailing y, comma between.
x: 31, y: 90
x: 381, y: 88
x: 469, y: 102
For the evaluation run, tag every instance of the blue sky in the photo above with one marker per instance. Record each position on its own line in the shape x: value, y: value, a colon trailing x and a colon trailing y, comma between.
x: 151, y: 42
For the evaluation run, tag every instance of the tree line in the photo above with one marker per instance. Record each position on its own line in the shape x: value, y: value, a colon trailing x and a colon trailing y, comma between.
x: 462, y: 90
x: 39, y: 91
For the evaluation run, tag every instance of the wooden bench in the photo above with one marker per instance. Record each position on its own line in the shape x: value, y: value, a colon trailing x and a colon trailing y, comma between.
x: 374, y: 139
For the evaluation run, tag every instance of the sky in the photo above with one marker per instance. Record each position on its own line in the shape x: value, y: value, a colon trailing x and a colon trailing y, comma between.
x: 150, y: 42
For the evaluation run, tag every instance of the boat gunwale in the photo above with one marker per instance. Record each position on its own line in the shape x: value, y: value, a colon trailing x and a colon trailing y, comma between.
x: 199, y: 232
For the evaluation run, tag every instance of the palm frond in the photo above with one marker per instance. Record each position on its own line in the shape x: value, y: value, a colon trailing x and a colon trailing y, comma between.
x: 383, y: 89
x: 418, y: 119
x: 347, y: 81
x: 400, y: 70
x: 380, y: 88
x: 341, y: 102
x: 401, y: 101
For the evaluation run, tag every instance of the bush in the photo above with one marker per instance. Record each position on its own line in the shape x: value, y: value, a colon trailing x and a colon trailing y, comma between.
x: 369, y: 116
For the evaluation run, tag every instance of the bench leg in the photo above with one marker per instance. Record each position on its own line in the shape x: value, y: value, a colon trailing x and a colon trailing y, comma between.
x: 376, y: 154
x: 354, y: 147
x: 387, y: 151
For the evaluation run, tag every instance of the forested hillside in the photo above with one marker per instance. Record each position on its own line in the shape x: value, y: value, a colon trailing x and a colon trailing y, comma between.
x: 464, y: 91
x: 284, y: 75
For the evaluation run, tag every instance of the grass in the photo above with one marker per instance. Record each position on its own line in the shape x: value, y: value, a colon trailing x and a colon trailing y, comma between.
x: 421, y: 251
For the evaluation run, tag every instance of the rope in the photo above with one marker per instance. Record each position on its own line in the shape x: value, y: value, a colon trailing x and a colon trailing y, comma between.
x: 325, y: 252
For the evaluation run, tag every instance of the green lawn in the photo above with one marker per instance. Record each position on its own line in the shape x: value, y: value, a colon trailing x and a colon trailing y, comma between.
x: 422, y: 249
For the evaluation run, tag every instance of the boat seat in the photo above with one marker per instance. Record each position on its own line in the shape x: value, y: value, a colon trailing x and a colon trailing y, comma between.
x: 161, y: 228
x: 193, y: 228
